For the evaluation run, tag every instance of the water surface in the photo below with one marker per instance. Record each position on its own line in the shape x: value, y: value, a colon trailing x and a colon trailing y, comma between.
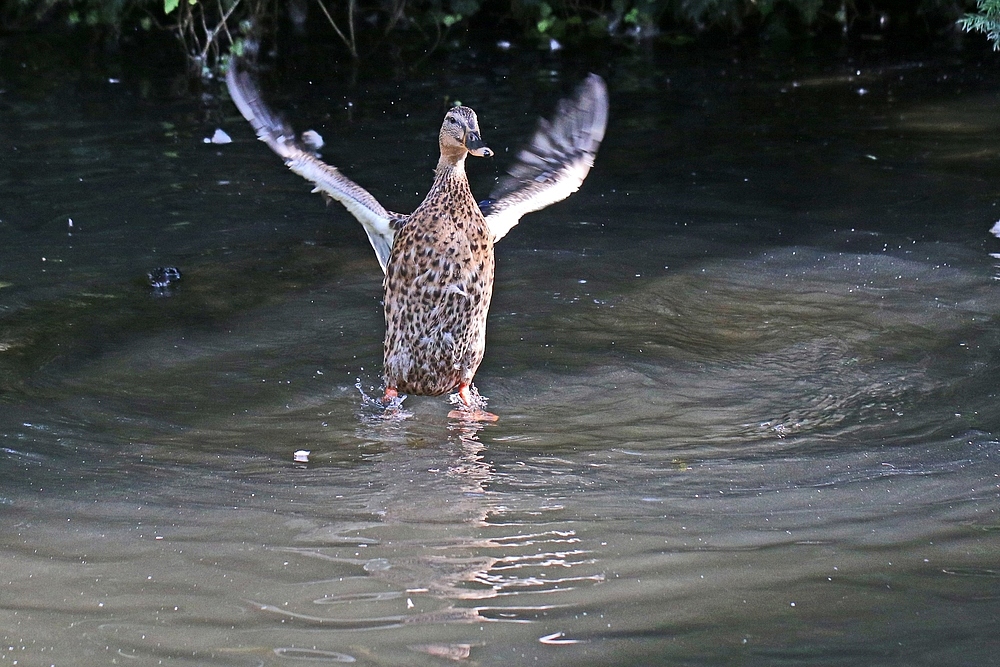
x: 746, y: 376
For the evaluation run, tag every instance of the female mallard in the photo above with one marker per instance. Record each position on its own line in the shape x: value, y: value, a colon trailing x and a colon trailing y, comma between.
x: 438, y: 260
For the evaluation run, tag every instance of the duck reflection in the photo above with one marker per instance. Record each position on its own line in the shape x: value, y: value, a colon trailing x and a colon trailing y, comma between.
x: 447, y: 546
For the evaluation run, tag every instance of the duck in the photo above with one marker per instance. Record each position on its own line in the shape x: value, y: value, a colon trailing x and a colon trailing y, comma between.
x: 438, y: 261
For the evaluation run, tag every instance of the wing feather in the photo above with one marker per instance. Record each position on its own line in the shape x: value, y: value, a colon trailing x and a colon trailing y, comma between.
x: 379, y: 224
x: 556, y: 161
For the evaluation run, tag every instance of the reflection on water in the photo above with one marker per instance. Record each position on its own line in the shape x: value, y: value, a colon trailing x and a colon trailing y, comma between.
x: 746, y: 380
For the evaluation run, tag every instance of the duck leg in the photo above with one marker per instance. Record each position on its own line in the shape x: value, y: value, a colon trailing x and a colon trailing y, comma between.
x: 465, y: 394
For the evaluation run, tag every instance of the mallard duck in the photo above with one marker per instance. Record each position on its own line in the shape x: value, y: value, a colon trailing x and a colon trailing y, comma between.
x: 438, y: 261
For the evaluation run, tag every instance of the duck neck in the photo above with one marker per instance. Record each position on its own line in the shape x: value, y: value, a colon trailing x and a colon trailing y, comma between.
x: 450, y: 167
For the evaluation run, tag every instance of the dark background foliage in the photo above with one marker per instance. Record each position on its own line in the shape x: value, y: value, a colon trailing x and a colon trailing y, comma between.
x: 205, y: 30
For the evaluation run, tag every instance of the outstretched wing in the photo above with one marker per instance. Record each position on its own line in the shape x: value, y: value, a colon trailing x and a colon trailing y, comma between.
x: 554, y: 164
x: 380, y: 224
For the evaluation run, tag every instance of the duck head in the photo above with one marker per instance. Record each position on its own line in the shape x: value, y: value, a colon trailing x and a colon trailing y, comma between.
x: 460, y: 135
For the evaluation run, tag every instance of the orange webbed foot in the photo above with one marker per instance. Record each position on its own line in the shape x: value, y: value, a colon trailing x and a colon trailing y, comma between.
x: 473, y: 415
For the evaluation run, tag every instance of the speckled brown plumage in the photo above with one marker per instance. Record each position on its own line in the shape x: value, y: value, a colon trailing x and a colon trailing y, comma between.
x: 439, y: 277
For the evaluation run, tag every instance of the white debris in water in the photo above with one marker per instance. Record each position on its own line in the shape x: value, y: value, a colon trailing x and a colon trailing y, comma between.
x: 301, y: 456
x: 219, y: 137
x: 312, y: 139
x: 995, y: 230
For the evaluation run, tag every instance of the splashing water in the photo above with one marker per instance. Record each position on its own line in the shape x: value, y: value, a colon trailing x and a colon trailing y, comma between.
x: 475, y: 410
x: 478, y: 401
x: 375, y: 409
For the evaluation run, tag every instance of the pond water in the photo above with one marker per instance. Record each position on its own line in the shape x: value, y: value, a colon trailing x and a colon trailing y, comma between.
x: 746, y: 377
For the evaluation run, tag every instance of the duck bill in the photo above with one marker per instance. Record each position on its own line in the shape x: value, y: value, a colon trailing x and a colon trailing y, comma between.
x: 475, y: 145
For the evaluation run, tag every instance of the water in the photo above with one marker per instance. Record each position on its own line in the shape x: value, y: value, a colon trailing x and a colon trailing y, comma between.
x: 745, y: 377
